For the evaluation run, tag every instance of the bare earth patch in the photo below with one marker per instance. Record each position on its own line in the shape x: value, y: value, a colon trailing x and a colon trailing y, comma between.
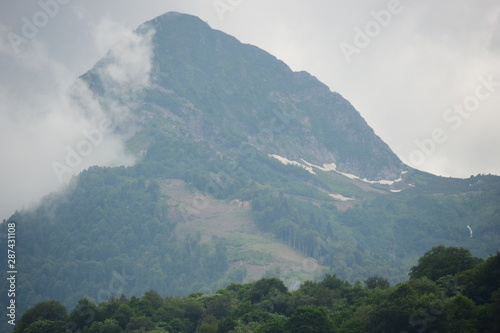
x: 199, y: 214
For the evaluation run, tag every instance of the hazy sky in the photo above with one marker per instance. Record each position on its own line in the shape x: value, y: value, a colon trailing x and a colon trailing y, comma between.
x: 424, y: 74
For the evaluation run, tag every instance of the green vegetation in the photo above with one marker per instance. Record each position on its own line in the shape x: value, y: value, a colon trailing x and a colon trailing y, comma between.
x: 111, y: 233
x: 442, y: 261
x: 213, y: 113
x: 114, y: 230
x: 466, y: 301
x: 380, y: 236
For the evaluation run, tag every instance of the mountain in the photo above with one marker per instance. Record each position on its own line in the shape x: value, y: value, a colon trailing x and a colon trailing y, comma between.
x: 244, y: 169
x: 228, y: 93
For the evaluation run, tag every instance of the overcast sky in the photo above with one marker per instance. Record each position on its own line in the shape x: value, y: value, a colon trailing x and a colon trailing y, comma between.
x: 424, y: 74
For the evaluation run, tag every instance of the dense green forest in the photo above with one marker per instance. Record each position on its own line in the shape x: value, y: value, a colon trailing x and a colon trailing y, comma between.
x: 113, y: 227
x: 449, y: 290
x: 111, y: 230
x: 375, y: 234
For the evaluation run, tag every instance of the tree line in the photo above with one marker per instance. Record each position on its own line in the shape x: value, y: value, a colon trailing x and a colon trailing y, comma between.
x: 449, y: 290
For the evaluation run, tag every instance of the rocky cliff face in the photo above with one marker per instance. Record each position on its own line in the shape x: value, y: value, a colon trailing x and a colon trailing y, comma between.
x: 208, y: 86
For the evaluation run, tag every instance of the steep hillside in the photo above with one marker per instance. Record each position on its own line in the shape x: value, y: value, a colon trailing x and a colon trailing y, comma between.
x: 214, y: 88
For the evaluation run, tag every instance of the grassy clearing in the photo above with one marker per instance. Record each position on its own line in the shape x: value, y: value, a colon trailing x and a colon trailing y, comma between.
x: 260, y: 253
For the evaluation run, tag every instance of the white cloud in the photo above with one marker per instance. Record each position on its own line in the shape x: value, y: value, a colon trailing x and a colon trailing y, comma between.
x: 53, y: 127
x: 129, y: 59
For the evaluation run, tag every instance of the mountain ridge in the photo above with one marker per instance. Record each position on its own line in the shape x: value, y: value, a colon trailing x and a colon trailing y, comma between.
x: 205, y: 58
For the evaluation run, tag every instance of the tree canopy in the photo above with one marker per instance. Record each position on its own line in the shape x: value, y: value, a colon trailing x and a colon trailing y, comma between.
x: 441, y: 261
x: 465, y: 301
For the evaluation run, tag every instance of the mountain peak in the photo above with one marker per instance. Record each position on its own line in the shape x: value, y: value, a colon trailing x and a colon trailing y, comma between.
x: 176, y: 23
x: 227, y: 94
x: 177, y: 18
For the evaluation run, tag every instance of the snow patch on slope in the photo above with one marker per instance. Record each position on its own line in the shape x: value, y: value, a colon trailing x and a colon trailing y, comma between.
x: 381, y: 182
x: 286, y: 161
x: 332, y: 167
x: 325, y: 167
x: 340, y: 197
